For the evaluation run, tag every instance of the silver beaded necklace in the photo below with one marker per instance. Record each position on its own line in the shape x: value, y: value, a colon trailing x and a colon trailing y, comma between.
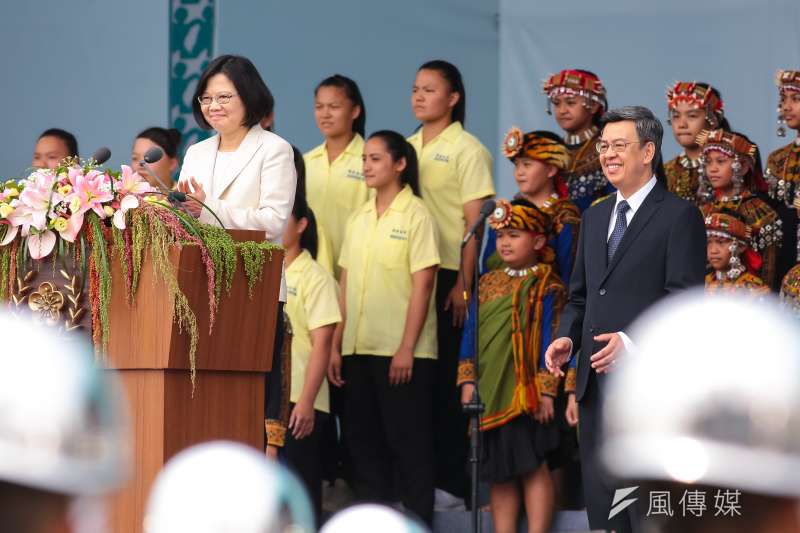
x: 521, y: 272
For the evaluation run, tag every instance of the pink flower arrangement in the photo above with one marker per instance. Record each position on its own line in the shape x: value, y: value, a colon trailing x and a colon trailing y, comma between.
x: 52, y: 203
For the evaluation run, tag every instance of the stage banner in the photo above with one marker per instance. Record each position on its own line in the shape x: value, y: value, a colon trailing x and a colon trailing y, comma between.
x: 191, y: 47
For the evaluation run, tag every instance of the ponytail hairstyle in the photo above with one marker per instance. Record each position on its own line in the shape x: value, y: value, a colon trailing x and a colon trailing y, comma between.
x: 308, y: 240
x: 353, y: 94
x: 168, y: 140
x: 300, y: 169
x: 399, y: 148
x: 453, y: 76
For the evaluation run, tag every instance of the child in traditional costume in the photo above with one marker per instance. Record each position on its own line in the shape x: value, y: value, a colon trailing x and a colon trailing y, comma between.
x: 578, y: 100
x: 731, y: 257
x: 783, y: 168
x: 519, y: 308
x: 692, y: 107
x: 731, y: 175
x: 540, y: 160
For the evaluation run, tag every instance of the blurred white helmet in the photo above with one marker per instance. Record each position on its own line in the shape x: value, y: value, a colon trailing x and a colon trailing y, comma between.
x: 221, y: 487
x: 367, y: 518
x: 711, y: 396
x: 63, y: 425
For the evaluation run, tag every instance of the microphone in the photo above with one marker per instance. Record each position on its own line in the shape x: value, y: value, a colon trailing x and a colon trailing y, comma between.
x: 486, y: 209
x: 101, y: 155
x: 153, y: 155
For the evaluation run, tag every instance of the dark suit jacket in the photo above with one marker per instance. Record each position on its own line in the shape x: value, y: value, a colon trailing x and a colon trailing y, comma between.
x: 663, y: 251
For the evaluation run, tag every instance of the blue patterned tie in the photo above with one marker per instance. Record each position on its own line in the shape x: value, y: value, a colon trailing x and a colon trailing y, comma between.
x: 619, y: 229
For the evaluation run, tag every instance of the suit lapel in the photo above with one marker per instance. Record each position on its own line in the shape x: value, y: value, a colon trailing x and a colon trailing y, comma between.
x: 250, y: 145
x: 643, y: 215
x: 204, y: 163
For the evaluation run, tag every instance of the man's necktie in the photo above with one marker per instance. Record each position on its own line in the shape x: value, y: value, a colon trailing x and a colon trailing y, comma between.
x: 619, y: 229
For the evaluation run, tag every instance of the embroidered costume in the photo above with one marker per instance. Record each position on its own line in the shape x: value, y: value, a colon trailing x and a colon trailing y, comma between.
x: 783, y: 175
x: 743, y: 262
x: 519, y: 312
x: 754, y: 212
x: 584, y: 178
x: 564, y: 215
x: 790, y: 291
x: 683, y: 173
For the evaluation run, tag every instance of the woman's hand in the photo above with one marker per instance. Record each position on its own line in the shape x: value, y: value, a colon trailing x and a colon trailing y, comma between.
x: 301, y: 421
x: 335, y: 368
x: 400, y: 369
x: 193, y: 206
x: 455, y: 303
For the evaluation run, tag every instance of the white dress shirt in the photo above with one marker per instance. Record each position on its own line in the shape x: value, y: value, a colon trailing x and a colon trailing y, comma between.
x: 634, y: 202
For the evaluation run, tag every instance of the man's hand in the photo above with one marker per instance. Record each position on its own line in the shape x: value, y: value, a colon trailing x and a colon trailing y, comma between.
x: 557, y: 355
x: 605, y: 359
x: 544, y: 410
x: 571, y: 413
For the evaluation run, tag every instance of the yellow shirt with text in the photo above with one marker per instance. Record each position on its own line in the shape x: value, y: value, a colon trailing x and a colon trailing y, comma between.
x: 454, y: 169
x: 334, y: 190
x: 312, y: 302
x: 380, y: 255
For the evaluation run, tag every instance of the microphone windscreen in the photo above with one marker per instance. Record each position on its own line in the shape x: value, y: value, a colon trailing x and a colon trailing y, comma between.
x: 487, y: 207
x: 153, y: 154
x: 101, y: 155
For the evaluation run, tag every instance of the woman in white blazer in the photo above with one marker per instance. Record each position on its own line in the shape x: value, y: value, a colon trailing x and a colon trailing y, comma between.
x: 245, y: 175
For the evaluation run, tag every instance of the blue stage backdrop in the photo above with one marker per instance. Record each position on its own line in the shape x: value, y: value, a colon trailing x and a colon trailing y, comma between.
x: 639, y: 47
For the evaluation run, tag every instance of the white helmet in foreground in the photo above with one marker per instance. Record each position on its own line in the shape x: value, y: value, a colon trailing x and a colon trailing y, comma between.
x: 711, y: 396
x: 219, y: 487
x: 63, y: 426
x: 366, y: 518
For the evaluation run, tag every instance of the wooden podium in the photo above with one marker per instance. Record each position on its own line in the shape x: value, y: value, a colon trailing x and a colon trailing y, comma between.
x: 152, y: 358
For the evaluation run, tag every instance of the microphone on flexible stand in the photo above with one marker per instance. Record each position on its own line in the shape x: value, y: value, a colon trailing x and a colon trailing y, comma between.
x: 486, y: 209
x: 101, y: 155
x: 153, y: 155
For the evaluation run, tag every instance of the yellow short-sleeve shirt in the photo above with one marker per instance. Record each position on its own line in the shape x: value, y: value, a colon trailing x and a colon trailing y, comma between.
x: 454, y: 169
x: 380, y: 255
x: 324, y: 251
x: 334, y: 190
x: 312, y: 302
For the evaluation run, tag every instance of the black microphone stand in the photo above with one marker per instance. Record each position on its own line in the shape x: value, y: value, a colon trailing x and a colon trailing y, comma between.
x: 475, y: 407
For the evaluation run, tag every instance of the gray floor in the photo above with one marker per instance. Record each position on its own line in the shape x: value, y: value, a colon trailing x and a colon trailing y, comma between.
x: 461, y: 521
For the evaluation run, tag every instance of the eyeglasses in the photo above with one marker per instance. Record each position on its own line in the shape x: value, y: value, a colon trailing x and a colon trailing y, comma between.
x: 617, y: 146
x: 221, y: 99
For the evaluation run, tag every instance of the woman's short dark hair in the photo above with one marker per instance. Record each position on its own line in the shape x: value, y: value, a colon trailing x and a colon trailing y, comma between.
x: 69, y: 139
x: 168, y: 140
x: 353, y: 94
x: 453, y: 76
x: 254, y: 93
x: 399, y: 148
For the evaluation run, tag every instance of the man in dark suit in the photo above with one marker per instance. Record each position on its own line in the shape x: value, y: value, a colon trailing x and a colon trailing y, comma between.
x: 635, y: 247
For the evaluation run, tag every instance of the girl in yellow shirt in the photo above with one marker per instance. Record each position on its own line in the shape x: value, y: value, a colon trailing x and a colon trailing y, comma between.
x: 384, y: 354
x: 455, y: 178
x: 335, y: 180
x: 312, y: 308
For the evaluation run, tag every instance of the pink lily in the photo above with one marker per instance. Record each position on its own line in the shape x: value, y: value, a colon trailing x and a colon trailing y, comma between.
x: 132, y: 183
x: 91, y: 190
